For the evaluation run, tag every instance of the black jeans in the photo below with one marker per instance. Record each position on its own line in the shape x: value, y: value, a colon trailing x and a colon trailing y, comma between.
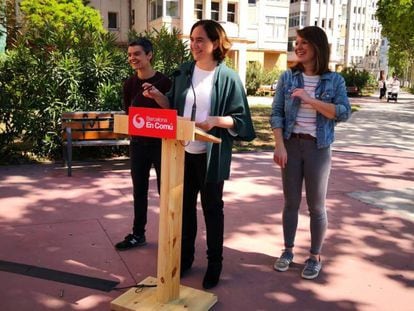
x: 143, y: 155
x: 383, y: 91
x: 212, y: 205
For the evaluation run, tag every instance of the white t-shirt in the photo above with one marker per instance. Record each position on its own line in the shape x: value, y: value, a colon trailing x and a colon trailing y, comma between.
x: 395, y: 87
x: 306, y: 118
x: 203, y: 85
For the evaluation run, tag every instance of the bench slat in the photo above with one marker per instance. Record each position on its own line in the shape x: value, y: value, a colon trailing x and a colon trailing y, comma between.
x: 90, y: 114
x: 91, y: 135
x: 89, y: 124
x: 89, y: 128
x: 94, y: 143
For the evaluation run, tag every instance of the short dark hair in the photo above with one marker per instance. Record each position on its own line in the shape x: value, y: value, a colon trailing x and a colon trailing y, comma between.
x: 215, y: 32
x: 145, y: 43
x: 316, y: 36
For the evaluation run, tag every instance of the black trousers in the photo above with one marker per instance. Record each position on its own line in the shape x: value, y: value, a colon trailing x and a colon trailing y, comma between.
x: 143, y: 155
x: 383, y: 91
x: 212, y: 205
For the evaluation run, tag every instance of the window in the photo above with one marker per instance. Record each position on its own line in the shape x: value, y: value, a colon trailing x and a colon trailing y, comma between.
x: 302, y: 19
x: 297, y: 19
x: 198, y: 9
x: 156, y: 9
x: 291, y: 44
x: 293, y: 19
x: 215, y: 11
x: 112, y: 20
x: 252, y: 2
x: 275, y: 27
x: 231, y: 12
x: 172, y: 8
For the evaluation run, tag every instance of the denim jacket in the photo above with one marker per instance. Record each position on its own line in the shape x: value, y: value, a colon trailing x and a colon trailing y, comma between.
x: 331, y: 89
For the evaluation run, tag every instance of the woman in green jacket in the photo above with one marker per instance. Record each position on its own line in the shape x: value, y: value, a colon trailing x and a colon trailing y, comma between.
x: 212, y: 95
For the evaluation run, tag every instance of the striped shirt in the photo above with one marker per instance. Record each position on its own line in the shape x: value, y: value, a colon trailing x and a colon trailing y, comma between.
x: 306, y: 117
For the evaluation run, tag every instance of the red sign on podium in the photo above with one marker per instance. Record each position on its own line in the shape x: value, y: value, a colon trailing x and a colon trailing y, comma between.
x: 152, y: 122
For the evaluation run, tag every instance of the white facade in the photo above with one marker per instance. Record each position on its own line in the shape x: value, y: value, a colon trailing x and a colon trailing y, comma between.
x: 257, y: 29
x: 363, y: 37
x: 268, y: 31
x: 115, y: 15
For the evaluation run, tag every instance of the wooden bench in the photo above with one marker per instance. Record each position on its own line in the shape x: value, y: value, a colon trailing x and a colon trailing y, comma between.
x: 265, y: 90
x: 352, y: 90
x: 89, y: 128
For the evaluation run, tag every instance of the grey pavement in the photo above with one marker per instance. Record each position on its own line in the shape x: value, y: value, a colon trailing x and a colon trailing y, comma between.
x: 381, y: 127
x: 379, y: 124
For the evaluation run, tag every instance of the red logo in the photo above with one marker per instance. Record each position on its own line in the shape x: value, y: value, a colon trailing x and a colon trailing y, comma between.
x: 152, y: 122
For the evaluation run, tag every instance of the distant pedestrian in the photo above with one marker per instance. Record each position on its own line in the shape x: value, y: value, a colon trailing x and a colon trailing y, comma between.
x: 309, y: 101
x: 395, y: 88
x: 382, y: 84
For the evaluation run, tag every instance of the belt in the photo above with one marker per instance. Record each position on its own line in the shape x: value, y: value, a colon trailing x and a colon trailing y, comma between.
x: 303, y: 136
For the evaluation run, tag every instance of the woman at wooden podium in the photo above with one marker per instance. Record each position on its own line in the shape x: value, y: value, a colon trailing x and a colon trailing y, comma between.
x: 212, y: 95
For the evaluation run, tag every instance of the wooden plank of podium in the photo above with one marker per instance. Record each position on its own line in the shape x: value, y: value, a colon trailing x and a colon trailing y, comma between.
x: 168, y: 293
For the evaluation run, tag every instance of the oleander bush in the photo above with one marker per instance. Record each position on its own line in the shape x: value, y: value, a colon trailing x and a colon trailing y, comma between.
x: 362, y: 79
x: 257, y: 76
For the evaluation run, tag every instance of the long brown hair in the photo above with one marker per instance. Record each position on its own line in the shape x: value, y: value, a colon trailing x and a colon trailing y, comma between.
x: 215, y: 32
x: 317, y: 38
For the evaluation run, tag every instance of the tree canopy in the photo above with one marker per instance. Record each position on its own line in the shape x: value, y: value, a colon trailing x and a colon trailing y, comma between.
x: 59, y: 13
x: 396, y: 18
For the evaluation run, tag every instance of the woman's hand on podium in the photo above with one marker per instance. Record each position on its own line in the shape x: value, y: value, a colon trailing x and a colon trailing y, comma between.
x: 207, y: 124
x: 212, y: 121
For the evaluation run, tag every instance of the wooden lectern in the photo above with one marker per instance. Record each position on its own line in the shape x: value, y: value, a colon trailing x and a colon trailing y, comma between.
x: 167, y: 293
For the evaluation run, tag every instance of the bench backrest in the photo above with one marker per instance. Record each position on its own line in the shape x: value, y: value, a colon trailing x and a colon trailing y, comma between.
x: 90, y: 125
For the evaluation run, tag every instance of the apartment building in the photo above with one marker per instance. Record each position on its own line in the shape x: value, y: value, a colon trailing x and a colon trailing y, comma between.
x: 257, y: 29
x: 353, y: 31
x: 364, y: 36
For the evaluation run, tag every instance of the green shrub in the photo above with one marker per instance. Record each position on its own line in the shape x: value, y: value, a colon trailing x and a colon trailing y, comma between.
x: 253, y: 77
x: 257, y: 76
x: 362, y: 79
x: 56, y: 72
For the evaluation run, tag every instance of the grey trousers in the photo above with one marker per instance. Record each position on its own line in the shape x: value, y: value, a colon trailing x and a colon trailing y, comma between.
x: 305, y: 163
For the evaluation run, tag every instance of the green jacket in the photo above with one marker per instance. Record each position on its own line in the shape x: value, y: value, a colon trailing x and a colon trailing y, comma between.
x: 228, y: 98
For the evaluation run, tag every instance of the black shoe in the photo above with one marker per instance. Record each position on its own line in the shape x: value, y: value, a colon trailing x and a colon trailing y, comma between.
x: 212, y: 276
x: 131, y: 241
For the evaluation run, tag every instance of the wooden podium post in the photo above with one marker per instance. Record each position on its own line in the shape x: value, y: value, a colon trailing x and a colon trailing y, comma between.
x: 168, y: 294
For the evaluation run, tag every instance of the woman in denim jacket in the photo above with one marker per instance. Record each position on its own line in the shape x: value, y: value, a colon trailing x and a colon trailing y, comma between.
x: 308, y: 102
